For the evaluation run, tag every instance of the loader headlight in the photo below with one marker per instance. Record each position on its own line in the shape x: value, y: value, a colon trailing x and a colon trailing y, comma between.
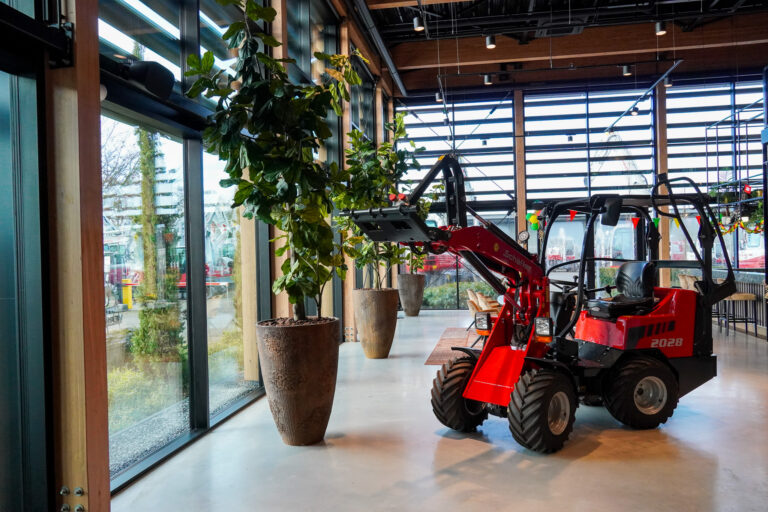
x: 543, y: 326
x: 483, y: 321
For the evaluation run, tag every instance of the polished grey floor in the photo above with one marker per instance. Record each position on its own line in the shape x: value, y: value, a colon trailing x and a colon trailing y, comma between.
x: 384, y: 450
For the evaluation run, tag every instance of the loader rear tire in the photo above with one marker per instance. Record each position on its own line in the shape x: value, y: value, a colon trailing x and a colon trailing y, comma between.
x: 542, y: 409
x: 641, y: 393
x: 450, y: 407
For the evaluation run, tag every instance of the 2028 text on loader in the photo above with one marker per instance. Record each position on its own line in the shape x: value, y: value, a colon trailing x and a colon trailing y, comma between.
x: 554, y: 344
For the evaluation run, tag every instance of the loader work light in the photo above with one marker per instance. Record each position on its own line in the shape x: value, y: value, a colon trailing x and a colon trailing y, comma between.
x: 483, y: 321
x: 543, y: 326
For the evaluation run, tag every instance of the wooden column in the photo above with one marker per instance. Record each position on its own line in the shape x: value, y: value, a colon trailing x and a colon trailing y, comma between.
x: 391, y: 117
x: 281, y: 307
x: 520, y: 186
x: 249, y: 299
x: 76, y: 263
x: 350, y: 334
x: 660, y: 113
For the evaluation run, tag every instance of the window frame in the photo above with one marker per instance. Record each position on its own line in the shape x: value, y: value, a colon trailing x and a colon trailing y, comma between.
x: 185, y: 118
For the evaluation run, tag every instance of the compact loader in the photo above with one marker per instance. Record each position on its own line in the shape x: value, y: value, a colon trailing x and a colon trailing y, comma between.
x: 555, y: 343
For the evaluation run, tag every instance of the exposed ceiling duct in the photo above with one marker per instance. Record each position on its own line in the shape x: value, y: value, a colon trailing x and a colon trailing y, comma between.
x: 381, y: 47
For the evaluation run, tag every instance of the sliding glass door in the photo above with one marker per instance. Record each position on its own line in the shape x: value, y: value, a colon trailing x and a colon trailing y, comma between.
x: 23, y: 423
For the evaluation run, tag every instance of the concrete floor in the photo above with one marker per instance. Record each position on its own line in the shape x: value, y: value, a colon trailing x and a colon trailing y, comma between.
x: 384, y: 449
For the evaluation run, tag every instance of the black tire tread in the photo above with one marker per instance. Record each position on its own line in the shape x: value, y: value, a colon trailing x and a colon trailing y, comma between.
x: 619, y: 399
x: 526, y: 406
x: 447, y: 400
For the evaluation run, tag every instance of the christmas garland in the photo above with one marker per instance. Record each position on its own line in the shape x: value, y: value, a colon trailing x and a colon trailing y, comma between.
x: 757, y: 229
x: 727, y: 230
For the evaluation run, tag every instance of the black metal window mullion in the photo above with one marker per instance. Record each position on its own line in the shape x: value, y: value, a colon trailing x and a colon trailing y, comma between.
x: 197, y: 340
x: 589, y: 148
x: 263, y: 272
x: 734, y: 166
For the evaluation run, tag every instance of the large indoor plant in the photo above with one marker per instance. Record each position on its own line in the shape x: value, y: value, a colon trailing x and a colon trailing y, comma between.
x: 372, y: 176
x: 268, y: 130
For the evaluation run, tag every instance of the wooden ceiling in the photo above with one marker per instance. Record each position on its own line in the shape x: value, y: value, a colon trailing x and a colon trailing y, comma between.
x: 722, y: 43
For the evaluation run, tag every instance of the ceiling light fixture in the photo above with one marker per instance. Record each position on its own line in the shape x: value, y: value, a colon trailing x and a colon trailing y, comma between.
x: 487, y: 80
x: 635, y: 111
x: 438, y: 97
x: 490, y: 42
x: 661, y: 28
x: 418, y: 25
x: 626, y: 70
x: 667, y: 81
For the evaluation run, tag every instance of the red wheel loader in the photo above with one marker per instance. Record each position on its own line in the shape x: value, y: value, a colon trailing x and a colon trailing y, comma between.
x: 555, y: 343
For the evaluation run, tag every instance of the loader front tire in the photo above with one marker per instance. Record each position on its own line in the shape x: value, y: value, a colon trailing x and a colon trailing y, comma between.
x: 450, y: 407
x: 542, y: 409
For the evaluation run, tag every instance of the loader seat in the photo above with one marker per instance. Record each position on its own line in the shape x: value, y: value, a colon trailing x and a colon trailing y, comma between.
x: 634, y: 284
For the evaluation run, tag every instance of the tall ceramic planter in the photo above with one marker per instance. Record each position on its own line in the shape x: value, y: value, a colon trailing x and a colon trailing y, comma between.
x: 299, y: 365
x: 376, y: 320
x: 411, y: 290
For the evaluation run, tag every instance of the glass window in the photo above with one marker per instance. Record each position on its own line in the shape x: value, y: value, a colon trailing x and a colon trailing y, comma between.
x: 714, y: 138
x: 362, y: 102
x: 484, y: 131
x: 614, y: 242
x: 11, y: 469
x: 312, y: 27
x: 621, y: 159
x: 144, y: 30
x: 229, y: 379
x: 556, y: 145
x: 214, y: 21
x: 145, y: 290
x: 563, y: 245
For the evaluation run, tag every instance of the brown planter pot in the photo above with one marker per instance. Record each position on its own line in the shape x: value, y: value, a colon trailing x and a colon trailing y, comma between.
x: 376, y: 320
x: 299, y: 365
x: 411, y: 290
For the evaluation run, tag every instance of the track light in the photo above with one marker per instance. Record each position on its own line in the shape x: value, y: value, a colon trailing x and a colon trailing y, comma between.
x: 635, y: 111
x: 490, y: 42
x: 661, y: 28
x: 438, y: 97
x: 570, y: 138
x: 667, y: 81
x: 626, y: 70
x: 418, y: 25
x: 487, y: 80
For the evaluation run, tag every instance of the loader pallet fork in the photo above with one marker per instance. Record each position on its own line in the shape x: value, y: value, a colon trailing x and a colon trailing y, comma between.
x: 555, y: 343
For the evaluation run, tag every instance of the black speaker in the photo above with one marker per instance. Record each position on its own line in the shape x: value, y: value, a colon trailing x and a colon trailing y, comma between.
x: 153, y: 76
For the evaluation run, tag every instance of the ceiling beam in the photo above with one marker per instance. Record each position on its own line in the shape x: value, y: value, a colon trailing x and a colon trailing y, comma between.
x: 597, y: 69
x: 630, y: 41
x: 393, y: 4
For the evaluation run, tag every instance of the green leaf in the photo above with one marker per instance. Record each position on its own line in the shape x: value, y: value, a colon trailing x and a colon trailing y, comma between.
x: 268, y: 40
x: 206, y: 64
x: 233, y: 29
x: 193, y: 61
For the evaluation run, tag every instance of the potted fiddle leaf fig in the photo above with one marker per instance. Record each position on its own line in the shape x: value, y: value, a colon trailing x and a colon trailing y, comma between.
x: 372, y: 175
x: 268, y: 130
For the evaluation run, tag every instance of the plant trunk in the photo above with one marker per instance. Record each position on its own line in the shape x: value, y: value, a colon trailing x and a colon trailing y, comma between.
x: 148, y: 153
x: 299, y: 312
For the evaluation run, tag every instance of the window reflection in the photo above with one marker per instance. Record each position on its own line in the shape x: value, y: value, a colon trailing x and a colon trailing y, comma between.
x: 152, y: 25
x: 144, y: 284
x: 229, y: 377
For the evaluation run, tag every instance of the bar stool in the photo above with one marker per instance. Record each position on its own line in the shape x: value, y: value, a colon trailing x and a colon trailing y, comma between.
x: 730, y: 311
